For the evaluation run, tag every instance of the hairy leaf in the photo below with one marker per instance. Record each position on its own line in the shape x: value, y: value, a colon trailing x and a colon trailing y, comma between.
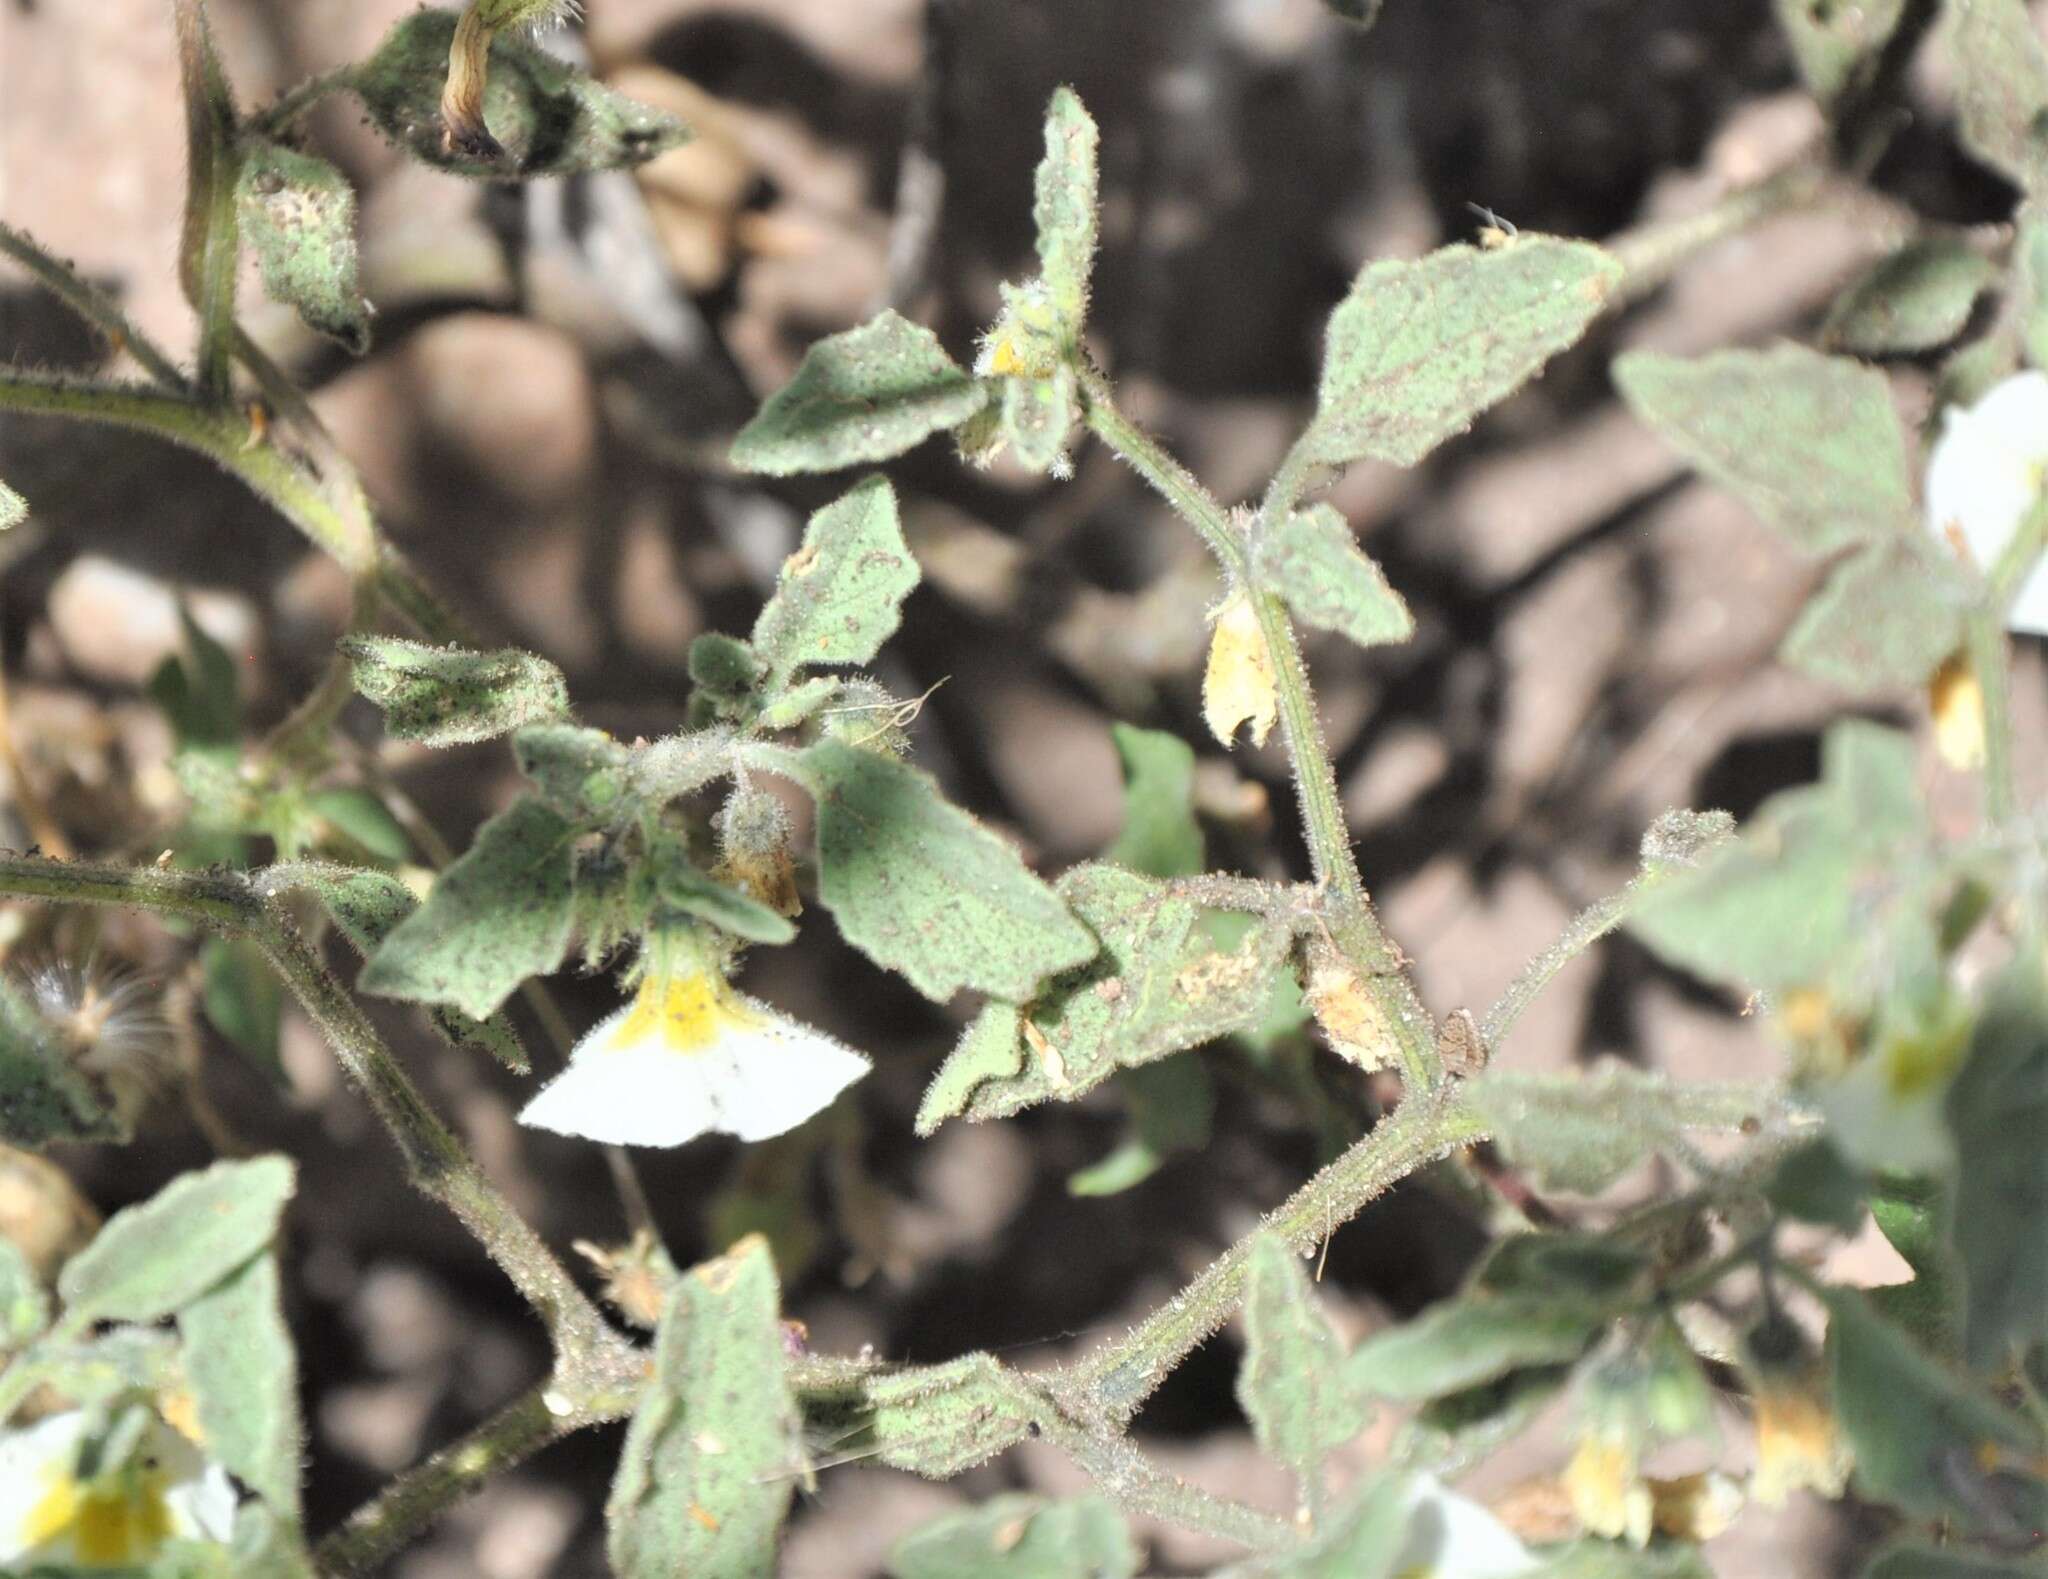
x: 1037, y: 416
x: 1312, y: 560
x: 550, y: 118
x: 154, y: 1259
x: 1926, y: 1441
x: 580, y: 772
x: 713, y: 1452
x: 299, y: 215
x: 1809, y: 442
x: 500, y: 914
x: 446, y: 696
x: 1159, y: 985
x: 922, y: 888
x: 1292, y: 1383
x: 1886, y: 619
x: 1474, y: 1339
x: 1582, y: 1131
x: 940, y: 1420
x: 360, y: 816
x: 1419, y: 349
x: 840, y: 595
x: 1781, y: 905
x: 694, y: 893
x: 1065, y: 208
x: 1020, y: 1537
x: 1362, y: 1539
x: 864, y: 395
x: 991, y: 1049
x: 244, y: 1376
x: 366, y: 905
x: 1918, y: 298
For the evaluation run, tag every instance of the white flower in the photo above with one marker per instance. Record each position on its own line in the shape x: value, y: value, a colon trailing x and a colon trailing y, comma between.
x: 1987, y: 471
x: 1453, y: 1537
x: 164, y: 1490
x: 688, y: 1055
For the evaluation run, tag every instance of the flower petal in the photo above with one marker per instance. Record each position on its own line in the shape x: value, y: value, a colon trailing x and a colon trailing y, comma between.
x: 1986, y: 471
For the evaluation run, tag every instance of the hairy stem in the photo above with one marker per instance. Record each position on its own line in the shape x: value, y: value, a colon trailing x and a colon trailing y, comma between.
x: 1346, y: 908
x: 210, y: 251
x: 436, y: 1162
x: 1137, y: 1485
x: 1111, y: 1382
x: 94, y: 306
x: 1650, y: 254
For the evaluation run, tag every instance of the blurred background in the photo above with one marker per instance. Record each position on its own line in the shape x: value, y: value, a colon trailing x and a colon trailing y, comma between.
x: 542, y: 421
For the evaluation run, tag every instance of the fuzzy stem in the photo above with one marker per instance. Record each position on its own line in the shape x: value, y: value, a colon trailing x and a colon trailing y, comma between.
x: 1138, y: 1486
x: 210, y: 251
x: 1650, y: 254
x: 1346, y: 908
x: 435, y: 1160
x: 1113, y: 1381
x: 296, y: 102
x: 94, y: 306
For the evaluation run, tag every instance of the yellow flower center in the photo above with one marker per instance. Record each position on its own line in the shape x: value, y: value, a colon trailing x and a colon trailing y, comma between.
x: 119, y: 1519
x: 689, y: 1013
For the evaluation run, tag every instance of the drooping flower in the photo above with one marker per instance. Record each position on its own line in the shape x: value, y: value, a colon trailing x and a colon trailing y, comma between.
x: 1239, y: 685
x: 1988, y: 470
x: 1799, y: 1445
x: 61, y: 1509
x: 688, y: 1055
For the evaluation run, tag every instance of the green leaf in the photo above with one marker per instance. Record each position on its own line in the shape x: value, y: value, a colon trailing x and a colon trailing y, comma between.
x: 24, y: 1304
x: 1292, y: 1383
x: 1160, y: 834
x: 1815, y: 1185
x: 1928, y: 1562
x: 44, y: 1096
x: 550, y: 118
x: 1065, y: 209
x: 1312, y: 560
x: 500, y: 914
x: 1451, y: 1433
x: 446, y: 696
x: 244, y: 999
x: 712, y: 1455
x: 1038, y: 414
x: 580, y: 772
x: 840, y: 595
x: 1172, y: 1107
x: 923, y: 889
x: 299, y: 215
x: 1915, y: 300
x: 1419, y: 349
x: 800, y: 703
x: 725, y: 666
x: 941, y: 1420
x: 1020, y: 1537
x: 1580, y: 1131
x: 991, y: 1049
x: 864, y: 395
x: 692, y: 892
x: 1886, y: 619
x: 2002, y: 88
x: 154, y: 1259
x: 1926, y: 1441
x: 1910, y: 1213
x: 1835, y: 46
x: 1473, y: 1339
x: 1158, y: 986
x: 1783, y: 904
x: 1361, y: 1540
x: 199, y: 692
x: 244, y: 1376
x: 361, y: 816
x: 1561, y: 1263
x: 367, y: 905
x: 1808, y: 442
x: 1997, y: 1109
